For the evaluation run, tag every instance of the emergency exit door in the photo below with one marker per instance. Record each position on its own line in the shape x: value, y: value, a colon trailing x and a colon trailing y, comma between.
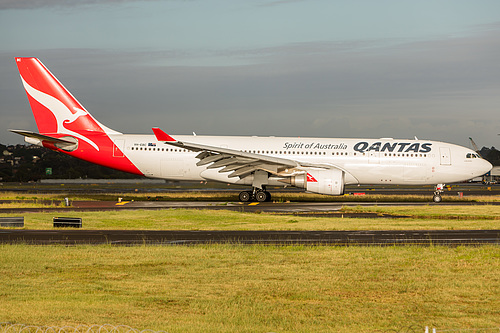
x: 445, y: 156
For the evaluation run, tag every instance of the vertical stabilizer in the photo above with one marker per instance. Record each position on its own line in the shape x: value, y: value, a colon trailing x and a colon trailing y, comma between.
x: 52, y: 104
x: 61, y: 118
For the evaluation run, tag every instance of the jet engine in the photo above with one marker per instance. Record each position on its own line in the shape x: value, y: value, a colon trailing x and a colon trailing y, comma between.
x: 329, y: 181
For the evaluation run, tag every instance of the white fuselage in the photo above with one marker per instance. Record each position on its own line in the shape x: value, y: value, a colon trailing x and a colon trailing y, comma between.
x: 364, y: 161
x: 319, y: 165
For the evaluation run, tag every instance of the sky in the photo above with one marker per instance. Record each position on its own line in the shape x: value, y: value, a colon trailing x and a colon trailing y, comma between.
x: 353, y: 69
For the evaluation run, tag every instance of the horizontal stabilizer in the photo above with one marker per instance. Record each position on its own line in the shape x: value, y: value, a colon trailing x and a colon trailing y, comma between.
x: 41, y: 136
x: 67, y: 143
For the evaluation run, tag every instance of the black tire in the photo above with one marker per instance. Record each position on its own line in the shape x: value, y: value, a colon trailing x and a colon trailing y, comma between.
x: 261, y: 196
x: 245, y: 196
x: 268, y: 196
x: 437, y: 198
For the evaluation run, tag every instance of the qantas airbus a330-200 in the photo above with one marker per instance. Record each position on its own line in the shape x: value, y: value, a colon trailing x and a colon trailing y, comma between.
x: 319, y: 165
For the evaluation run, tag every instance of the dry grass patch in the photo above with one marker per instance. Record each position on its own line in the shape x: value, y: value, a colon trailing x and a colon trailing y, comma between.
x: 251, y: 288
x: 476, y: 212
x: 41, y: 197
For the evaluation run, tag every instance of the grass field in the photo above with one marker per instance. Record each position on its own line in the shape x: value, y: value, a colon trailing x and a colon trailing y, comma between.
x: 222, y: 288
x: 421, y: 218
x: 230, y: 288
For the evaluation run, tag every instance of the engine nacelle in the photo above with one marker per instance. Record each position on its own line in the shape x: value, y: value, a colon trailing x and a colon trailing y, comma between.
x: 329, y: 182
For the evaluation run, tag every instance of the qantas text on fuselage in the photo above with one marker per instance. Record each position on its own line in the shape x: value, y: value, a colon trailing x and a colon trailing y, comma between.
x: 363, y: 146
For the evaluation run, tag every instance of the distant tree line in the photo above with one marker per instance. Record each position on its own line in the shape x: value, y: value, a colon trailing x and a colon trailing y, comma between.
x: 24, y: 163
x: 491, y: 154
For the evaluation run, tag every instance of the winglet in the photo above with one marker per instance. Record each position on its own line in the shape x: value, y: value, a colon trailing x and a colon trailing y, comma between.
x: 162, y: 136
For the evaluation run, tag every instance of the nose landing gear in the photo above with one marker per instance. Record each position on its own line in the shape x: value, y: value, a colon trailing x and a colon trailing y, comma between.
x: 437, y: 193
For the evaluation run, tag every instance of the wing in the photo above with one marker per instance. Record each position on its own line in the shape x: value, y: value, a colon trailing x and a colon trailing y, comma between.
x: 238, y: 162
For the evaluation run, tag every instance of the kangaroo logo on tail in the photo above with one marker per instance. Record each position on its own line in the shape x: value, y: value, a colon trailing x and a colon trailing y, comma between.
x: 60, y: 111
x: 65, y: 125
x: 54, y: 108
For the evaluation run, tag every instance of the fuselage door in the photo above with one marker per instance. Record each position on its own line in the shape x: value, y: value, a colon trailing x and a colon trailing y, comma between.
x: 445, y: 155
x: 118, y: 148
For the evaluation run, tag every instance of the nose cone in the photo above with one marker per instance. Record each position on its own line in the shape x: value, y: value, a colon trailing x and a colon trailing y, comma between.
x: 483, y: 166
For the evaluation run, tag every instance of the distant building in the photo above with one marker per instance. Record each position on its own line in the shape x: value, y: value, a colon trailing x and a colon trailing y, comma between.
x: 492, y: 177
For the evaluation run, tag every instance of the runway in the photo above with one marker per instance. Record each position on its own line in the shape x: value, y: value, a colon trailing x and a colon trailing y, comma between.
x: 331, y: 209
x: 268, y: 207
x: 165, y: 237
x: 78, y: 187
x: 335, y: 238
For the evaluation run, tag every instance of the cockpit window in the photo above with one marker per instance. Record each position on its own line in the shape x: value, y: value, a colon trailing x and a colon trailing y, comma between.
x: 471, y: 155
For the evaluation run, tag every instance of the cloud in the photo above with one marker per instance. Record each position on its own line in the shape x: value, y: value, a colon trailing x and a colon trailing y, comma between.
x: 444, y: 89
x: 278, y: 3
x: 37, y: 4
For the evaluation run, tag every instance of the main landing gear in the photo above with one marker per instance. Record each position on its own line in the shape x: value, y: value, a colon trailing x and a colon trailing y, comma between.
x: 437, y: 193
x: 257, y: 194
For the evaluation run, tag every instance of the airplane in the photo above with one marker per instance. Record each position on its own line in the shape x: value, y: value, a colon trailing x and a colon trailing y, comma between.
x: 318, y: 165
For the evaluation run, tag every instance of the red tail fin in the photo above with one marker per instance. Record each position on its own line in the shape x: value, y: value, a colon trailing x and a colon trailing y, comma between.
x: 56, y: 111
x: 59, y: 115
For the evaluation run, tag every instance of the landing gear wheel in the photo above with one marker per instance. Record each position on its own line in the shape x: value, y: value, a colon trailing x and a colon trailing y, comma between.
x: 268, y: 196
x: 245, y: 196
x: 437, y: 193
x: 262, y: 196
x: 437, y: 198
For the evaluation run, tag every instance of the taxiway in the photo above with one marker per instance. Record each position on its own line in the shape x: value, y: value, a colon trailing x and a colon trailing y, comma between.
x: 181, y: 237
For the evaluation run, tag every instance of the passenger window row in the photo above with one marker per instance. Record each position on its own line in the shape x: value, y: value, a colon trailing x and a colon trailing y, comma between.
x: 159, y: 149
x: 469, y: 155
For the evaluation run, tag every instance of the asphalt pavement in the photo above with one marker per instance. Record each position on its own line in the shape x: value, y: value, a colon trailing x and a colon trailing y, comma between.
x: 69, y: 237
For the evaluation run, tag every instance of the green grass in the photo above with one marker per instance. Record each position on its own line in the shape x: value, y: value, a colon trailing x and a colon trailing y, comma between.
x: 479, y: 217
x: 223, y: 288
x: 229, y: 288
